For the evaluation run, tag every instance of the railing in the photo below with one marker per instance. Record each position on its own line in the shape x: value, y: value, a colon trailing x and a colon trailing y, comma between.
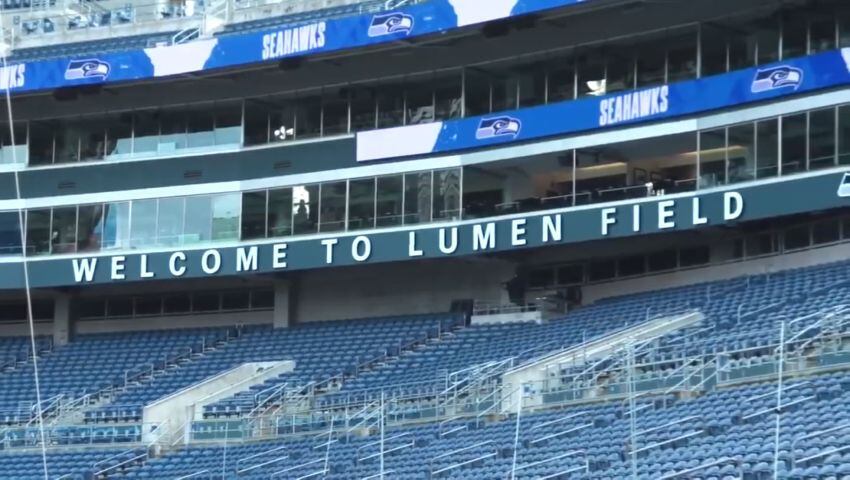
x: 824, y: 453
x: 452, y: 453
x: 195, y: 475
x: 130, y: 461
x: 687, y: 472
x: 572, y: 453
x: 296, y: 467
x: 256, y: 455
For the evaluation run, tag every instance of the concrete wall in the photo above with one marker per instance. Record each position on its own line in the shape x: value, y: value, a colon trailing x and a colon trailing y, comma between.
x: 408, y: 287
x: 171, y: 322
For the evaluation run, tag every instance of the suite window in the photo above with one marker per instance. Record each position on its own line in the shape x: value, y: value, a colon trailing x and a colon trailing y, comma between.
x: 225, y: 216
x: 41, y: 143
x: 228, y: 123
x: 280, y: 210
x: 119, y: 307
x: 661, y: 261
x: 308, y: 117
x: 176, y: 304
x: 561, y: 80
x: 712, y: 158
x: 390, y: 106
x: 651, y: 63
x: 827, y: 231
x: 10, y: 235
x: 602, y: 270
x: 89, y: 228
x: 206, y: 302
x: 282, y: 119
x: 143, y: 223
x: 361, y: 204
x: 760, y: 244
x: 632, y: 265
x: 254, y: 215
x: 256, y: 122
x: 332, y: 207
x: 766, y: 38
x: 741, y: 153
x: 448, y: 97
x: 115, y: 225
x: 389, y: 201
x: 843, y: 28
x: 119, y: 135
x: 742, y: 51
x: 693, y: 256
x: 844, y: 135
x: 66, y: 141
x: 38, y: 231
x: 169, y: 222
x: 63, y: 230
x: 304, y: 207
x: 797, y: 237
x: 447, y: 194
x: 476, y: 92
x: 532, y: 85
x: 420, y: 102
x: 92, y: 139
x: 146, y: 132
x: 417, y: 198
x: 793, y: 143
x: 822, y: 138
x: 198, y: 222
x: 200, y: 126
x: 505, y: 90
x: 794, y: 35
x: 714, y: 50
x: 92, y: 308
x: 172, y: 131
x: 262, y: 299
x: 12, y: 152
x: 149, y: 306
x: 363, y: 109
x: 620, y: 73
x: 571, y: 274
x: 822, y: 34
x: 335, y: 112
x: 237, y: 300
x: 541, y: 278
x: 591, y: 74
x: 767, y: 148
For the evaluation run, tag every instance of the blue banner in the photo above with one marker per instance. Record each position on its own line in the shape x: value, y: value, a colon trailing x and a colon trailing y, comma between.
x: 800, y: 75
x: 234, y: 50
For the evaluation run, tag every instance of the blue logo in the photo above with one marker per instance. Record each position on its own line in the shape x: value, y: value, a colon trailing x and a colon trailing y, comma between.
x: 390, y: 23
x: 498, y: 127
x: 91, y: 68
x: 844, y: 188
x: 776, y: 78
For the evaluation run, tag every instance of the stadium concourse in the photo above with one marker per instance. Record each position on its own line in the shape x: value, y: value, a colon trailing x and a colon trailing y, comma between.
x: 425, y: 239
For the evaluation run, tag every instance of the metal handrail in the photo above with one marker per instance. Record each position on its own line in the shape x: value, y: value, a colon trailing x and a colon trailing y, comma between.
x: 561, y: 433
x: 260, y: 454
x: 295, y: 467
x: 845, y: 426
x: 462, y: 449
x: 689, y: 471
x: 192, y: 475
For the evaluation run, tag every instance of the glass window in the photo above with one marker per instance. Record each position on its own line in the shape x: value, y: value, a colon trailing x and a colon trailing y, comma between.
x: 712, y: 158
x: 714, y: 55
x: 541, y: 278
x: 200, y: 126
x: 767, y: 148
x: 10, y: 235
x: 447, y: 96
x: 827, y: 231
x: 89, y: 225
x: 282, y: 119
x: 237, y: 300
x: 305, y: 209
x: 41, y: 143
x: 254, y: 215
x: 281, y: 208
x: 591, y: 74
x: 172, y: 130
x: 119, y: 135
x: 602, y: 270
x: 116, y: 225
x: 741, y: 153
x: 63, y: 237
x: 151, y: 305
x: 477, y: 92
x: 38, y: 231
x: 692, y: 256
x: 225, y: 216
x: 844, y: 135
x: 361, y: 204
x: 12, y: 152
x: 169, y: 222
x: 145, y: 132
x: 228, y: 123
x: 571, y: 274
x: 119, y: 307
x: 661, y: 261
x: 335, y: 112
x: 420, y: 102
x: 66, y: 141
x: 632, y: 265
x: 92, y: 308
x: 505, y: 90
x: 561, y: 80
x: 742, y: 51
x: 308, y: 117
x: 92, y: 137
x: 262, y: 299
x: 843, y: 28
x: 766, y: 37
x: 620, y: 73
x: 822, y: 138
x: 389, y: 201
x: 332, y: 213
x: 256, y: 122
x: 206, y: 302
x: 197, y: 226
x: 180, y: 303
x: 794, y: 35
x: 651, y: 59
x: 417, y: 198
x: 822, y: 34
x: 390, y: 106
x: 797, y: 237
x: 793, y: 143
x: 760, y: 244
x: 363, y: 109
x: 532, y: 85
x: 143, y: 223
x: 447, y: 194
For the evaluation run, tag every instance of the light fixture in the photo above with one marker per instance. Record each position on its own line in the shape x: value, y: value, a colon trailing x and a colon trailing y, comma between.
x: 282, y: 133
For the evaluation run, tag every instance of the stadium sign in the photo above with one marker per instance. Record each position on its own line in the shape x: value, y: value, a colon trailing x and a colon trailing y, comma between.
x: 717, y: 207
x: 733, y: 89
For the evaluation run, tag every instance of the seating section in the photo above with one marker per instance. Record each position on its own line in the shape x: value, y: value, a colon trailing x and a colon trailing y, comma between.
x: 67, y: 465
x: 321, y: 350
x: 94, y: 362
x: 306, y: 17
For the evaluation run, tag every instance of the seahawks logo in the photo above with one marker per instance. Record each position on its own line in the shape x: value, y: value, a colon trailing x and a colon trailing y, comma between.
x: 498, y: 127
x: 390, y: 23
x: 91, y: 68
x: 777, y: 78
x: 844, y: 188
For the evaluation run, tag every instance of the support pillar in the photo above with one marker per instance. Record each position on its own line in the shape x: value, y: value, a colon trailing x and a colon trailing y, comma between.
x: 61, y: 319
x: 283, y: 301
